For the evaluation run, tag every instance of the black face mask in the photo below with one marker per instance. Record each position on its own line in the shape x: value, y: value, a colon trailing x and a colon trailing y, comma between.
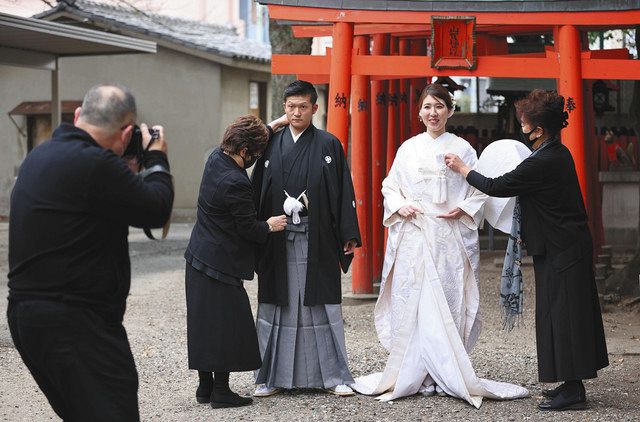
x: 250, y: 162
x: 525, y: 138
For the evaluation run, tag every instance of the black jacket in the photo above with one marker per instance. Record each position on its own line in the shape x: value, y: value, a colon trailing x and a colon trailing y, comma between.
x: 553, y: 213
x: 332, y: 220
x: 70, y: 210
x: 226, y: 231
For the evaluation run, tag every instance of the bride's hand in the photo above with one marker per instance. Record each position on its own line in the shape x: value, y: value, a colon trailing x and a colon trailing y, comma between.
x: 409, y: 211
x: 454, y: 214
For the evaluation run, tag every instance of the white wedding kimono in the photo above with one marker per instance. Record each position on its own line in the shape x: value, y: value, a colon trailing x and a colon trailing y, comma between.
x: 427, y: 314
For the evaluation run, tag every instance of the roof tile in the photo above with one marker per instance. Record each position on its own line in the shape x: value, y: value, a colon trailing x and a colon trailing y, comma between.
x: 216, y: 39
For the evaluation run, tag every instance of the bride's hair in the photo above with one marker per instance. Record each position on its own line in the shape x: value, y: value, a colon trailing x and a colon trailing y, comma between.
x: 437, y: 91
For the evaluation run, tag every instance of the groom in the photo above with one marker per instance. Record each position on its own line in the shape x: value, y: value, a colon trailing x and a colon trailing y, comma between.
x: 304, y: 173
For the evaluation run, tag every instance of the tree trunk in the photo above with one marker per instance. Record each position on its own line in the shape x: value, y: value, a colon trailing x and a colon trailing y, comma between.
x: 625, y: 281
x: 283, y: 42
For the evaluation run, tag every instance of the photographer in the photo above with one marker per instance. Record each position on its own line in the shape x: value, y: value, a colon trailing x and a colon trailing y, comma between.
x: 69, y: 269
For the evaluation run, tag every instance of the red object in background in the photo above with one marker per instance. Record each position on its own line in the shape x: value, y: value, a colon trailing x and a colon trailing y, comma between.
x: 611, y: 152
x: 453, y: 41
x: 362, y: 267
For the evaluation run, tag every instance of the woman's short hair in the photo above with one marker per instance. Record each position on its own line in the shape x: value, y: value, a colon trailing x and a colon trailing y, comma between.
x: 544, y: 109
x: 245, y: 132
x: 437, y: 91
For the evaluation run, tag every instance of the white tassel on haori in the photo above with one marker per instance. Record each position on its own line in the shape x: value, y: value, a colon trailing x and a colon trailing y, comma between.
x: 440, y: 182
x: 292, y: 206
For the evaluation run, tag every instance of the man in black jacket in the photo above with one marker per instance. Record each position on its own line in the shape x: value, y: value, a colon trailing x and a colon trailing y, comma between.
x: 69, y: 270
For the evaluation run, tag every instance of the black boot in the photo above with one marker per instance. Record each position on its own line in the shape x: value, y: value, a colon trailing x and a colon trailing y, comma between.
x: 222, y: 396
x: 571, y: 397
x: 551, y: 393
x: 205, y: 387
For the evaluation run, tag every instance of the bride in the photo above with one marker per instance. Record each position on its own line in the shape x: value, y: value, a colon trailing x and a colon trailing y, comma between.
x: 427, y: 314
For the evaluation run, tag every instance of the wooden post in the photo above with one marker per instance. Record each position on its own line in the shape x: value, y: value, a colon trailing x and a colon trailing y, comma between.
x: 340, y: 82
x: 403, y: 97
x: 392, y: 112
x: 417, y: 48
x: 56, y: 113
x: 570, y: 87
x: 379, y: 96
x: 362, y: 282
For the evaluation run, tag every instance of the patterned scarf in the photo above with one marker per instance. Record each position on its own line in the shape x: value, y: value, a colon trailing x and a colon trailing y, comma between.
x: 511, y: 295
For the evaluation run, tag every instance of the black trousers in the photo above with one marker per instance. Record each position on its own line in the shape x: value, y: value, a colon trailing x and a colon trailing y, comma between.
x: 82, y: 363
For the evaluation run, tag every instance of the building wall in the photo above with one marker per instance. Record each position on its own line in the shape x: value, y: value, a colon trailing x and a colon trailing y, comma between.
x: 36, y: 87
x: 192, y: 98
x: 235, y: 93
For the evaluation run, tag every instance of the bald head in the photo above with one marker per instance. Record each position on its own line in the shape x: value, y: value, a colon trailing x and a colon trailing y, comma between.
x: 108, y: 107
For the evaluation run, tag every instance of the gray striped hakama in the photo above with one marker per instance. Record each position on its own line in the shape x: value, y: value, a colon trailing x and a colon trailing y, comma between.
x: 301, y: 346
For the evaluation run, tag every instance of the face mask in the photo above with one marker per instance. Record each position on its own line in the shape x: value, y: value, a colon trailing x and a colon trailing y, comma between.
x: 250, y: 162
x: 525, y: 137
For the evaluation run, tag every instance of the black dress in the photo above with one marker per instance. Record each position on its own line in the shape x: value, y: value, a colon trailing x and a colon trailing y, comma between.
x: 221, y: 334
x: 569, y: 331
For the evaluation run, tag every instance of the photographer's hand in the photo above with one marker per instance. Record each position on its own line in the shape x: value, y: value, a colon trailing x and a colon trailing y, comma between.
x: 159, y: 144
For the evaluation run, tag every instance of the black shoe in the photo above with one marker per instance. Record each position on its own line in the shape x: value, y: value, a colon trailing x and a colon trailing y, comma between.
x: 567, y: 399
x: 203, y: 394
x: 551, y: 393
x: 230, y: 399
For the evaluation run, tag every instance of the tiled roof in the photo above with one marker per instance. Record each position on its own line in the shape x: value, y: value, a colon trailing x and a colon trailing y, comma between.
x: 214, y: 39
x: 466, y: 5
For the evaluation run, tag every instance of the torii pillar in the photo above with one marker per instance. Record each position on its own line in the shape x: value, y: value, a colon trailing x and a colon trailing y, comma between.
x: 379, y: 97
x: 416, y: 85
x: 403, y: 97
x: 362, y: 282
x: 392, y: 110
x: 340, y: 83
x: 570, y: 87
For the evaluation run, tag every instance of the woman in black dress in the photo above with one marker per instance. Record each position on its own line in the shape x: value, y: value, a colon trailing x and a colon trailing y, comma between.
x: 221, y: 334
x: 569, y: 333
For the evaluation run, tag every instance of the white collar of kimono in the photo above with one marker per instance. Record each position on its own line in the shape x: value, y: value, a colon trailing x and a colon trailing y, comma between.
x: 296, y: 137
x: 442, y: 137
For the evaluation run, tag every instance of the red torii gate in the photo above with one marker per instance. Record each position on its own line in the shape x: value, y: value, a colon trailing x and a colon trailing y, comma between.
x: 379, y: 55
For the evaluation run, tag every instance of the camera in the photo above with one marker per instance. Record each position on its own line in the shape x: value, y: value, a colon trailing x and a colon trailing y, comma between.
x: 135, y: 148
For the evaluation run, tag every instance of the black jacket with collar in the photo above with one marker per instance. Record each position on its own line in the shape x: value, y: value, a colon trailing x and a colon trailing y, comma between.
x: 553, y: 213
x: 226, y: 231
x: 70, y: 210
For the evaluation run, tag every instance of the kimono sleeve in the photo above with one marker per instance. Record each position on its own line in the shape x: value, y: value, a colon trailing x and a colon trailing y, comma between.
x: 474, y: 201
x: 348, y: 221
x: 392, y: 193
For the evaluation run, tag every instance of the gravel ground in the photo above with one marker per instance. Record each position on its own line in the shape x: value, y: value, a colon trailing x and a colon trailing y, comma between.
x: 156, y: 323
